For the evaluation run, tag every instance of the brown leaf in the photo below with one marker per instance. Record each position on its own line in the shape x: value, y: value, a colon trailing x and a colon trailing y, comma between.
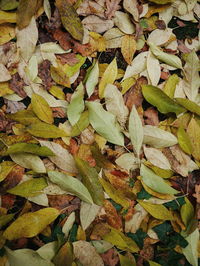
x: 197, y: 193
x: 112, y: 217
x: 110, y: 257
x: 112, y: 6
x: 69, y: 59
x: 96, y: 24
x: 17, y: 85
x: 90, y: 7
x: 7, y: 201
x: 151, y: 117
x: 134, y: 95
x: 45, y: 75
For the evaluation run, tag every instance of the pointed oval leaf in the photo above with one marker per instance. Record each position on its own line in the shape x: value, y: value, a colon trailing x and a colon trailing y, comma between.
x: 90, y: 179
x: 76, y: 106
x: 26, y: 10
x: 158, y: 98
x: 153, y: 69
x: 29, y: 161
x: 88, y: 212
x: 158, y: 211
x: 29, y: 148
x: 136, y: 130
x: 109, y: 76
x: 155, y: 182
x: 62, y: 158
x: 189, y: 105
x: 184, y: 141
x: 115, y: 103
x: 158, y: 138
x: 191, y: 251
x: 31, y: 224
x: 104, y: 123
x: 21, y: 256
x: 92, y: 79
x: 46, y: 131
x: 193, y: 131
x: 30, y: 188
x: 70, y: 19
x: 82, y: 124
x: 41, y: 108
x: 71, y: 185
x: 128, y: 48
x: 169, y: 59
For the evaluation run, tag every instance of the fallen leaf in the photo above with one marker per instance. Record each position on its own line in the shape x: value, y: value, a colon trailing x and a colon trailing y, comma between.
x: 112, y: 217
x: 123, y: 22
x: 88, y: 213
x: 70, y: 19
x: 71, y: 185
x: 104, y: 123
x: 132, y: 7
x: 92, y: 79
x: 153, y: 69
x: 87, y: 254
x: 190, y: 251
x: 97, y: 24
x: 111, y: 7
x: 193, y: 131
x: 136, y: 130
x: 128, y: 48
x: 7, y: 33
x: 31, y: 224
x: 108, y: 77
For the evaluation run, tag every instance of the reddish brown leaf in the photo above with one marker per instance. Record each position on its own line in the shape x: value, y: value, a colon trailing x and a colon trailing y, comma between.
x: 112, y: 217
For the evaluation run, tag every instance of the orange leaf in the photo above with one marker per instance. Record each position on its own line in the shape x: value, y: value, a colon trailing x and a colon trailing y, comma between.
x: 112, y: 216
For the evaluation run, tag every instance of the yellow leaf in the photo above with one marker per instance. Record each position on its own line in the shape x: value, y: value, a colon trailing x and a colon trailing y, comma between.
x: 7, y: 17
x: 193, y: 131
x: 127, y: 84
x: 57, y: 92
x: 31, y: 224
x: 128, y: 48
x: 114, y: 194
x: 184, y: 141
x: 41, y: 108
x: 59, y: 76
x: 156, y: 194
x: 109, y: 76
x: 4, y: 87
x: 161, y: 2
x: 155, y: 9
x: 157, y: 211
x: 5, y: 168
x: 97, y: 42
x: 7, y: 33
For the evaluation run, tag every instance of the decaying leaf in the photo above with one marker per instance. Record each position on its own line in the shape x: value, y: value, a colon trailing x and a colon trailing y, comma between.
x: 70, y: 19
x: 128, y: 48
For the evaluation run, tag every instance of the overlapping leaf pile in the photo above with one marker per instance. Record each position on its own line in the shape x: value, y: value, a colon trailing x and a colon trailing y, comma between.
x: 100, y: 132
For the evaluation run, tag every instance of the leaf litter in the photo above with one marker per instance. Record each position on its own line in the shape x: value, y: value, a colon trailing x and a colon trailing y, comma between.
x: 99, y: 132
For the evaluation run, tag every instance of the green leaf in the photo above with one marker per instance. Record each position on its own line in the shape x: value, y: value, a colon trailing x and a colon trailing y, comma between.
x: 192, y: 78
x: 153, y: 263
x: 30, y: 188
x: 158, y: 138
x: 189, y: 105
x: 159, y: 99
x: 20, y: 257
x: 187, y: 212
x: 26, y: 10
x: 29, y: 148
x: 121, y: 241
x: 101, y: 246
x: 88, y: 212
x: 25, y: 117
x: 70, y: 19
x: 157, y: 211
x: 81, y: 124
x: 184, y: 141
x: 115, y: 194
x: 76, y: 106
x: 41, y: 108
x: 46, y: 131
x: 193, y: 131
x: 169, y: 59
x: 90, y: 179
x: 104, y: 123
x: 48, y: 251
x: 190, y: 251
x: 92, y: 79
x: 170, y: 85
x: 29, y: 161
x: 155, y: 182
x: 71, y: 185
x: 31, y: 224
x: 136, y: 130
x: 5, y: 168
